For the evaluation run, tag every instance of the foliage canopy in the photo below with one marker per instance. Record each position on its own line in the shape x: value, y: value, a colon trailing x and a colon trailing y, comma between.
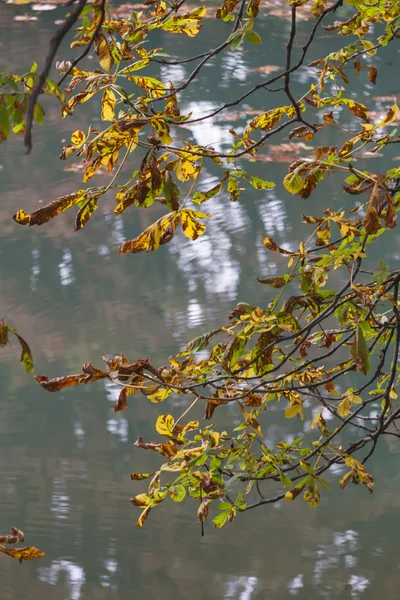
x: 293, y: 356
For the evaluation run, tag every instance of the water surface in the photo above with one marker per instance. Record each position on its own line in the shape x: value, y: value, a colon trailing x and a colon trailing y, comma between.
x: 65, y: 458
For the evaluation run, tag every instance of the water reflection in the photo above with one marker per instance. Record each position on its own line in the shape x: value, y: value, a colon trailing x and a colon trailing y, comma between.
x: 74, y: 574
x: 66, y: 459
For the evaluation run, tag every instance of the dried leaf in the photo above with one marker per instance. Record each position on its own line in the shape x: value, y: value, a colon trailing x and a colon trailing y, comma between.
x: 27, y: 553
x: 44, y: 214
x: 16, y: 537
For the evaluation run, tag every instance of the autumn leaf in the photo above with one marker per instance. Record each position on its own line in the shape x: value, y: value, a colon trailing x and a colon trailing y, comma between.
x: 159, y: 394
x: 250, y: 420
x: 188, y: 23
x: 124, y: 394
x: 293, y: 410
x: 108, y: 105
x: 191, y: 227
x: 161, y: 232
x: 169, y: 449
x: 57, y: 384
x: 26, y: 355
x: 360, y: 351
x: 344, y: 407
x: 27, y: 553
x: 55, y: 208
x: 16, y: 537
x: 165, y: 425
x: 293, y: 183
x: 103, y: 52
x: 271, y: 245
x: 85, y: 212
x: 390, y: 116
x: 200, y: 197
x: 373, y: 73
x: 171, y: 192
x: 199, y: 343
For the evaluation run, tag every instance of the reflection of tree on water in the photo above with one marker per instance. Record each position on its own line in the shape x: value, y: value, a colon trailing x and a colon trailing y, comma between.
x: 75, y: 298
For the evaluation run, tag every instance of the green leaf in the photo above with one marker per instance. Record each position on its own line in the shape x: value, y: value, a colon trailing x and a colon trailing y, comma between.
x: 171, y: 192
x: 237, y: 40
x: 177, y: 493
x: 360, y: 351
x: 220, y: 520
x: 200, y: 197
x: 293, y: 183
x: 233, y: 352
x: 253, y: 37
x: 4, y: 123
x: 256, y: 182
x: 199, y: 343
x: 38, y: 113
x: 26, y: 355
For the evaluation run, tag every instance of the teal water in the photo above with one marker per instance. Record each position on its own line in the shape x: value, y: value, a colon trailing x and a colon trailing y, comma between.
x: 65, y: 458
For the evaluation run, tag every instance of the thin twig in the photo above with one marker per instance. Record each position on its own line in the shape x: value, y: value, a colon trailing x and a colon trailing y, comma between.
x: 37, y: 88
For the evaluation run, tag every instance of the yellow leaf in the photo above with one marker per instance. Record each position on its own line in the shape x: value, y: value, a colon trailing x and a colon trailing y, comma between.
x: 78, y: 138
x: 187, y: 23
x: 160, y: 395
x: 345, y: 479
x: 344, y: 407
x: 316, y: 419
x: 108, y: 105
x: 103, y: 52
x: 192, y: 228
x: 390, y: 116
x: 157, y: 234
x: 162, y: 129
x: 152, y: 86
x: 185, y: 170
x: 142, y: 500
x: 143, y: 516
x: 165, y: 425
x: 27, y: 553
x: 355, y: 399
x: 295, y: 409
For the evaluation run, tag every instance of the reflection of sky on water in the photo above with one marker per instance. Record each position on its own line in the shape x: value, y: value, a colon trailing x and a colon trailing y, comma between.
x: 208, y: 132
x: 117, y: 424
x: 240, y: 588
x: 60, y: 569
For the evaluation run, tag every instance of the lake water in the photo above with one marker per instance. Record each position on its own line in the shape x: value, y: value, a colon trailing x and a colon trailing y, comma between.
x: 65, y: 458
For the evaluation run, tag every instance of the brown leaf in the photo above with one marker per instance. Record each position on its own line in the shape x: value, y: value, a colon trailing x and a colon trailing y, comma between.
x: 115, y: 362
x: 271, y: 245
x: 122, y: 403
x: 373, y: 73
x: 169, y: 449
x: 16, y: 537
x: 3, y: 334
x: 372, y: 221
x: 359, y: 110
x: 44, y: 214
x: 390, y: 214
x: 59, y: 383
